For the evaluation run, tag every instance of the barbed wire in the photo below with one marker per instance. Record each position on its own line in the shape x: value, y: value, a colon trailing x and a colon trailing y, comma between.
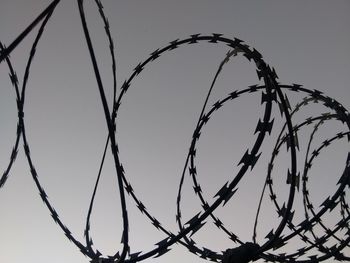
x: 328, y: 244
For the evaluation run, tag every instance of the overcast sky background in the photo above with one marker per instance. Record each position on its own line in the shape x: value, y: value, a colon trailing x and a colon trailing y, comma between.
x: 307, y: 42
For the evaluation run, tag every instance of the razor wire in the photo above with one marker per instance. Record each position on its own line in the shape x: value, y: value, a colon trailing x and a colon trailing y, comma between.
x: 272, y: 94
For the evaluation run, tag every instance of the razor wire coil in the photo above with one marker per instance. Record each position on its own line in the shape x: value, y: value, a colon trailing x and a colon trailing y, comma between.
x: 272, y: 94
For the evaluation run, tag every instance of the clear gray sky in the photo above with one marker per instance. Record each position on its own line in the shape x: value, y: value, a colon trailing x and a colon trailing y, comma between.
x: 307, y: 42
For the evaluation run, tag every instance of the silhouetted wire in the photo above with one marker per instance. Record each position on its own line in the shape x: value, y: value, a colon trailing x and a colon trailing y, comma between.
x: 33, y: 171
x: 308, y: 206
x: 5, y: 55
x: 271, y: 94
x: 111, y: 129
x: 14, y: 82
x: 205, y: 252
x: 21, y: 127
x: 193, y: 169
x: 307, y: 224
x: 263, y: 70
x: 88, y: 239
x: 6, y: 52
x: 275, y: 152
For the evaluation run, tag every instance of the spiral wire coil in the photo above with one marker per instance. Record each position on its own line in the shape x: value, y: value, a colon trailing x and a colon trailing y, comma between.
x: 272, y: 94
